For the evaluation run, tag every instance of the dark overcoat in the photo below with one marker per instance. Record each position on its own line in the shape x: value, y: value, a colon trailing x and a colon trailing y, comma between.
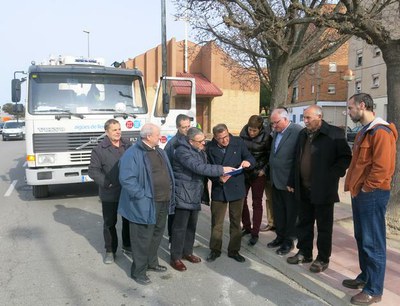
x: 330, y: 157
x: 235, y: 153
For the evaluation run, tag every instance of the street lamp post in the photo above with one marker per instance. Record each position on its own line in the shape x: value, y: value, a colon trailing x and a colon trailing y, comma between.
x: 348, y: 77
x: 88, y: 42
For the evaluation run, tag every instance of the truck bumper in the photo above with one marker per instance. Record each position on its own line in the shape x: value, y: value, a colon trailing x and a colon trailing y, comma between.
x: 54, y: 176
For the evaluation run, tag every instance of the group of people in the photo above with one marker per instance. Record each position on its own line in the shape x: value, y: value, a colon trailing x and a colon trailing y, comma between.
x: 298, y: 169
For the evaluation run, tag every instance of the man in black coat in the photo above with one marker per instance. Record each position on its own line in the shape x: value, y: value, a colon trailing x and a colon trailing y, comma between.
x: 227, y: 150
x: 103, y: 169
x: 322, y: 157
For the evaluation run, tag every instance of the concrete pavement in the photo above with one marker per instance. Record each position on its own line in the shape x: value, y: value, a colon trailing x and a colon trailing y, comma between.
x: 343, y: 263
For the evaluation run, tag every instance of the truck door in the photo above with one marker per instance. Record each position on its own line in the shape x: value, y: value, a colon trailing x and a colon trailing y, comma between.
x: 174, y: 96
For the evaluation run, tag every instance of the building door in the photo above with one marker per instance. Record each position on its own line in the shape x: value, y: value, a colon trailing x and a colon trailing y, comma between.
x: 203, y: 114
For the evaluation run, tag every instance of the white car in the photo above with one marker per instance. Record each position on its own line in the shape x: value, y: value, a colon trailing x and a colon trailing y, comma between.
x: 13, y: 129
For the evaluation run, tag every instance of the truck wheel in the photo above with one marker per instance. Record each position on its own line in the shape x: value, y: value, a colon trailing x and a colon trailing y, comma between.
x: 40, y: 191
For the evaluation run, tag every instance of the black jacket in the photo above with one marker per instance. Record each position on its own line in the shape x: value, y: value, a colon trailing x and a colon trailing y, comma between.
x: 236, y: 152
x: 190, y: 168
x: 259, y: 147
x: 103, y: 169
x: 330, y: 157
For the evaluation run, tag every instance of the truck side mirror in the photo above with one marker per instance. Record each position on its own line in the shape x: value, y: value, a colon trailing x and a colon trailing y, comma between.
x: 165, y: 103
x: 16, y: 90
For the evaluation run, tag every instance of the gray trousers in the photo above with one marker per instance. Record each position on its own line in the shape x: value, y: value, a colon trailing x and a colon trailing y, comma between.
x: 145, y: 240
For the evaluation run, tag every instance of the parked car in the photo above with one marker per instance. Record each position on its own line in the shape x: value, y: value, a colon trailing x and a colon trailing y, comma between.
x: 351, y: 133
x: 13, y: 129
x: 1, y: 127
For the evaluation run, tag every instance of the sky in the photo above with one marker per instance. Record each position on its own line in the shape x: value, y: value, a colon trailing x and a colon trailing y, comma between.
x: 119, y: 29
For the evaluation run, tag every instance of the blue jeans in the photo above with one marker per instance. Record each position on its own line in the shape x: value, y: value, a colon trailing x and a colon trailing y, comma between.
x: 369, y: 209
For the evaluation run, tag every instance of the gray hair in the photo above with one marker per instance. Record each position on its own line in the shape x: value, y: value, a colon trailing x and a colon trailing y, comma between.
x: 316, y: 109
x: 193, y: 132
x: 148, y: 130
x: 219, y: 128
x: 281, y: 112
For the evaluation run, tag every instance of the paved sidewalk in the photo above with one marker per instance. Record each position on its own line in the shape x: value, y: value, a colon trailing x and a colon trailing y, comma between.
x: 343, y: 262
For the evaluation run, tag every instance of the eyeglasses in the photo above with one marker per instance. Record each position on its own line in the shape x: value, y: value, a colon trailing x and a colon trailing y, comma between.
x: 276, y: 122
x: 199, y: 141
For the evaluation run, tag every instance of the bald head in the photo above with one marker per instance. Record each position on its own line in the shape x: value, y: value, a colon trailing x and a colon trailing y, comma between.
x: 312, y: 117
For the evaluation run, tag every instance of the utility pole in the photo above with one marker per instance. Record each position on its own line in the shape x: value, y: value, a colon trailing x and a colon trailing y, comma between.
x: 88, y: 42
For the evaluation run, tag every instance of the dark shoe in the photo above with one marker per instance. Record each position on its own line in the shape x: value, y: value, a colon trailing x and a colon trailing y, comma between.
x: 267, y: 228
x: 213, y: 256
x: 318, y: 266
x: 109, y: 258
x: 192, y: 258
x: 275, y: 243
x: 178, y: 265
x: 236, y: 256
x: 285, y: 249
x: 157, y: 268
x: 142, y: 280
x: 245, y: 232
x: 127, y: 250
x: 365, y: 299
x: 298, y: 258
x: 353, y: 284
x: 253, y: 240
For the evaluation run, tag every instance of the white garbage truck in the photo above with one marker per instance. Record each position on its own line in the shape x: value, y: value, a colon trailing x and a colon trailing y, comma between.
x: 68, y: 101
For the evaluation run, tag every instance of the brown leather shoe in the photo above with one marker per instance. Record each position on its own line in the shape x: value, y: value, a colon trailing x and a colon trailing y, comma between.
x: 178, y: 265
x: 365, y: 299
x: 192, y: 258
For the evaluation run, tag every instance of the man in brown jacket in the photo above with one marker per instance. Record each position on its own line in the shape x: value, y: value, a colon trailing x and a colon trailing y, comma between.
x: 368, y: 180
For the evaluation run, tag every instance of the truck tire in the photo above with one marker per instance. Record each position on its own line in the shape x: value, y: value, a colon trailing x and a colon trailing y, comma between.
x: 40, y: 191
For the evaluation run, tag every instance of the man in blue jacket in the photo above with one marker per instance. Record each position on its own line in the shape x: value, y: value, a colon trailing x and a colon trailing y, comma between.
x: 190, y: 167
x: 227, y: 150
x: 147, y: 194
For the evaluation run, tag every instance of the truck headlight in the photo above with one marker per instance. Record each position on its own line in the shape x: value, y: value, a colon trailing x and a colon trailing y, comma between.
x: 46, y: 159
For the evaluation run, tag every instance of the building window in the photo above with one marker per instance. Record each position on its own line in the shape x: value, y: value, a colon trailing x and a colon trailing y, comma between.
x: 312, y: 68
x: 295, y: 94
x: 301, y: 117
x: 294, y: 118
x: 359, y: 58
x: 331, y: 89
x: 332, y: 67
x: 312, y: 89
x: 377, y: 52
x: 358, y: 86
x: 375, y: 80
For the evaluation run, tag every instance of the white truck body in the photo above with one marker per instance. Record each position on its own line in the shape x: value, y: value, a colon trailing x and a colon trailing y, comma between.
x: 68, y: 102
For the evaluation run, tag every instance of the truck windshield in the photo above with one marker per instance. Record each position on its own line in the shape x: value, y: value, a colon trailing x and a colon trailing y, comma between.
x: 51, y: 93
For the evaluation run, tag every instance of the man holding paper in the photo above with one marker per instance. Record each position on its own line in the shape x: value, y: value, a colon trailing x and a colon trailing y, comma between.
x: 228, y: 151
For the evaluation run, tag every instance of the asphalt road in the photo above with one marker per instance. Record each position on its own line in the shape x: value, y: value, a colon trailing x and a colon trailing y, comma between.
x: 51, y: 254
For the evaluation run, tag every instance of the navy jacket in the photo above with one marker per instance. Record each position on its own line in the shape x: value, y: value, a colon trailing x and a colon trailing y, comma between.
x: 136, y: 202
x: 103, y: 169
x: 236, y: 152
x: 190, y: 167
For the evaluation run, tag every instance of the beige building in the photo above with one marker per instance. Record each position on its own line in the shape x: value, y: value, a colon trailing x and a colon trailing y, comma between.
x: 369, y: 70
x: 226, y: 93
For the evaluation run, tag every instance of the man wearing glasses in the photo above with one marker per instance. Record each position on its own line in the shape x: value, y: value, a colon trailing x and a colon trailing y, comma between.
x: 281, y: 161
x: 190, y: 167
x: 227, y: 150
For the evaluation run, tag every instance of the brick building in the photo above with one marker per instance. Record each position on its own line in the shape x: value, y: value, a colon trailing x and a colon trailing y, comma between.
x: 322, y: 83
x: 226, y: 93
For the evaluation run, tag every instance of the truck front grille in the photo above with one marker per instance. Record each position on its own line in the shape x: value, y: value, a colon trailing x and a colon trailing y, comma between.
x: 69, y: 142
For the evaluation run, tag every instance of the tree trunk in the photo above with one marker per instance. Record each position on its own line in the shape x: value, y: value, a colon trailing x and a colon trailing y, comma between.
x: 390, y: 54
x: 280, y: 71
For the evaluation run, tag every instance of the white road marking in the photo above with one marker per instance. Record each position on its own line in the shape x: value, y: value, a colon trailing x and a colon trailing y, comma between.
x: 25, y: 164
x: 11, y: 188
